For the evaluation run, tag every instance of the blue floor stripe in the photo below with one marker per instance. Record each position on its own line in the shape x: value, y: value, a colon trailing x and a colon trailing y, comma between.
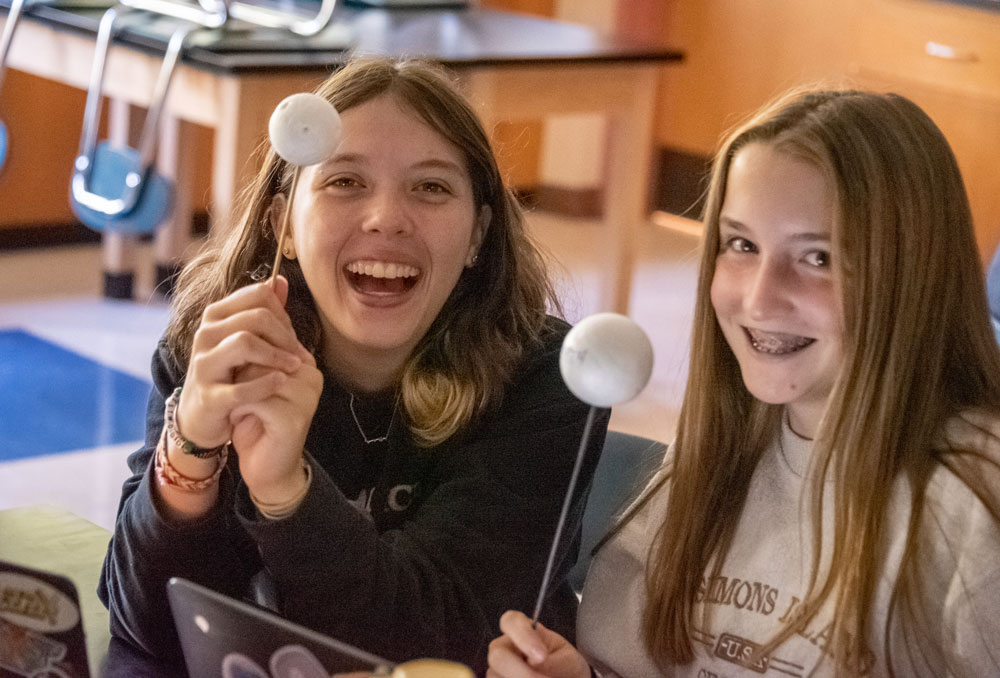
x: 53, y: 400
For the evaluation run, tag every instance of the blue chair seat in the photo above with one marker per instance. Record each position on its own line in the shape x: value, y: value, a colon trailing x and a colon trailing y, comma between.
x: 627, y: 463
x: 993, y: 291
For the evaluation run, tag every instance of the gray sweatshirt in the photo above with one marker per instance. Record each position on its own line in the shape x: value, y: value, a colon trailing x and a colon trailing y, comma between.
x: 766, y: 576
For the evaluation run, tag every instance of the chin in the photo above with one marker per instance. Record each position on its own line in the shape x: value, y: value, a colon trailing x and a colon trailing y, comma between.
x: 771, y: 394
x: 383, y: 341
x: 769, y: 398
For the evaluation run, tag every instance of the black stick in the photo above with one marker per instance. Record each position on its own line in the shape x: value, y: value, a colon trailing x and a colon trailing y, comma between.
x: 562, y: 515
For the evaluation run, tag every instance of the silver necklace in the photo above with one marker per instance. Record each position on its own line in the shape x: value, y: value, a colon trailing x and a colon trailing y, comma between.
x: 381, y: 438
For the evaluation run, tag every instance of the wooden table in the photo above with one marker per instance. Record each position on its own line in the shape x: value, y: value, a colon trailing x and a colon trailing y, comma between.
x: 514, y: 68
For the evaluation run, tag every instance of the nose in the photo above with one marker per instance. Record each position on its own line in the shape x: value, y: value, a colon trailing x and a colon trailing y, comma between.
x: 386, y: 213
x: 769, y: 289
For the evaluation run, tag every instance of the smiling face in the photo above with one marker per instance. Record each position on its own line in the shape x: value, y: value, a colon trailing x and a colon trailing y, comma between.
x: 382, y: 232
x: 773, y: 291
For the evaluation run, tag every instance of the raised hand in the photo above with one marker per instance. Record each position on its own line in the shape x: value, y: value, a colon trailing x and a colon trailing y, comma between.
x: 249, y: 380
x: 269, y: 434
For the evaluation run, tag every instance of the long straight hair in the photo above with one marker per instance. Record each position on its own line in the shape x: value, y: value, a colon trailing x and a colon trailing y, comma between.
x: 918, y: 349
x: 496, y: 311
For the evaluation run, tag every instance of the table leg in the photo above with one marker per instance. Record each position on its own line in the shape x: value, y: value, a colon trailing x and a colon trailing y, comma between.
x: 245, y: 106
x: 117, y: 249
x: 627, y: 96
x: 173, y: 236
x: 627, y: 181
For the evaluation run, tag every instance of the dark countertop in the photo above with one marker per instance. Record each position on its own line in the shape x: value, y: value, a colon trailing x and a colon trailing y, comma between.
x: 455, y: 37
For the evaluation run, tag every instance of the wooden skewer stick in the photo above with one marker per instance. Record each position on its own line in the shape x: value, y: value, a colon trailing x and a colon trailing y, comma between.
x: 285, y: 218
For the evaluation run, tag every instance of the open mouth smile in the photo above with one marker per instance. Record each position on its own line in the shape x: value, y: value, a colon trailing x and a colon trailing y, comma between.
x: 381, y: 278
x: 777, y: 343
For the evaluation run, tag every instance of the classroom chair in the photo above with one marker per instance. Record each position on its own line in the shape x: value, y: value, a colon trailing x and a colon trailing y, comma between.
x: 627, y: 462
x: 993, y: 291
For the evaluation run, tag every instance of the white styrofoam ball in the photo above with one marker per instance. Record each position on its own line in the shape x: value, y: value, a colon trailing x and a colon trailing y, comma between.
x: 304, y: 129
x: 606, y: 359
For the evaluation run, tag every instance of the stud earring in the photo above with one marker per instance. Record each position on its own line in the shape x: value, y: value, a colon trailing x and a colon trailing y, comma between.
x: 286, y: 250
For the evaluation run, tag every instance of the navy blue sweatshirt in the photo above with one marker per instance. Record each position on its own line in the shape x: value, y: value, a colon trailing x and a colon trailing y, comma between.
x: 403, y: 551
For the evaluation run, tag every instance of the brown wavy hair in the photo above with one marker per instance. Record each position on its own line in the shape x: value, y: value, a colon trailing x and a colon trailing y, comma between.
x: 497, y: 309
x: 918, y: 349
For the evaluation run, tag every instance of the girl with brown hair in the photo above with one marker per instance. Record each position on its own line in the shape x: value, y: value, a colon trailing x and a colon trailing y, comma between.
x: 384, y: 433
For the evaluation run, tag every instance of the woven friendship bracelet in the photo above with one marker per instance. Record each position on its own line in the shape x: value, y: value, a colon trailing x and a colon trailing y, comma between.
x: 182, y: 443
x: 166, y: 474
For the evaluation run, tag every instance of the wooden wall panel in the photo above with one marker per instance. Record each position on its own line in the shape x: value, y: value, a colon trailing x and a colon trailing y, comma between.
x: 43, y: 120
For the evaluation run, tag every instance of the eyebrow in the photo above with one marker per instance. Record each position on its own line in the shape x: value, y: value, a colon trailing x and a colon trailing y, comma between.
x: 740, y: 227
x: 438, y: 163
x: 430, y: 163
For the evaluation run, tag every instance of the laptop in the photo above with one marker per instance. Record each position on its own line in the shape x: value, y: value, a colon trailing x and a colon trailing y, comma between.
x: 41, y: 627
x: 226, y: 638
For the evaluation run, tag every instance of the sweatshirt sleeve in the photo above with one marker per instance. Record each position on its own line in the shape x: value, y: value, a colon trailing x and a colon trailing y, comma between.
x: 960, y: 555
x: 972, y: 604
x: 971, y: 619
x: 474, y: 548
x: 146, y: 549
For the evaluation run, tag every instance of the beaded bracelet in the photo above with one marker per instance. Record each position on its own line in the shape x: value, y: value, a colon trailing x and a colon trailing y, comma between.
x: 166, y: 474
x: 182, y: 443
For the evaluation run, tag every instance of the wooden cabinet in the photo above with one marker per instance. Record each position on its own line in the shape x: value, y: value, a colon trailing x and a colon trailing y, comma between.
x: 946, y: 58
x: 947, y: 47
x: 741, y: 53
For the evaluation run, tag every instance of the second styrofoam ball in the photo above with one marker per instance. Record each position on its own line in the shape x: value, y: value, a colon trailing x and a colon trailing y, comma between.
x: 606, y: 359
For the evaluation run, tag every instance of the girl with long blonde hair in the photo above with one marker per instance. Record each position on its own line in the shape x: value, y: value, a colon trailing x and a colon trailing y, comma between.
x: 831, y: 504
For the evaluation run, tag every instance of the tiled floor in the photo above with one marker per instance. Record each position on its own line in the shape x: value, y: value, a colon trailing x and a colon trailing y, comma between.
x: 54, y: 294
